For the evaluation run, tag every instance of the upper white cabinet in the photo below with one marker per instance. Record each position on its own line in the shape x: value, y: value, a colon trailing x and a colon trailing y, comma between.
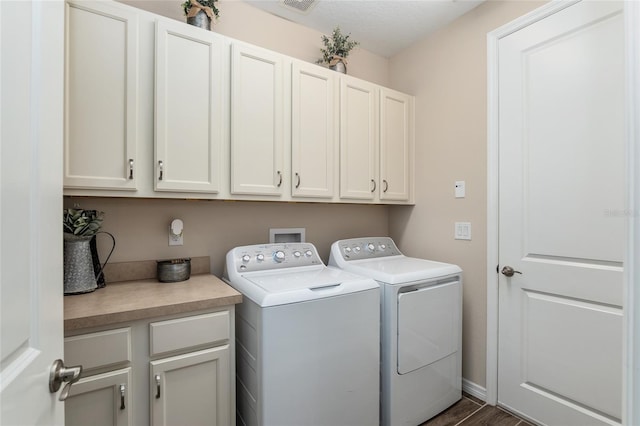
x: 376, y: 143
x: 257, y: 121
x: 314, y: 129
x: 101, y: 85
x: 159, y: 108
x: 396, y: 145
x: 358, y: 139
x: 190, y: 108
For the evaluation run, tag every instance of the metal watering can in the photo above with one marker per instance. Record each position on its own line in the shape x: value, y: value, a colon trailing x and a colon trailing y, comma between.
x: 81, y: 272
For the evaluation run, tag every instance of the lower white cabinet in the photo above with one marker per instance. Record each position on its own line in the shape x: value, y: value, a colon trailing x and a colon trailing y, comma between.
x: 190, y: 389
x: 174, y: 370
x: 100, y: 400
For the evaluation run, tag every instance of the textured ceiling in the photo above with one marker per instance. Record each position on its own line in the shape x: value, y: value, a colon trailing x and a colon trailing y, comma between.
x: 384, y: 27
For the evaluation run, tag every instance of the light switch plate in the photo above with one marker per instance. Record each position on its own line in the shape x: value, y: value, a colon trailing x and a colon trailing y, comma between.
x: 460, y: 189
x: 462, y: 231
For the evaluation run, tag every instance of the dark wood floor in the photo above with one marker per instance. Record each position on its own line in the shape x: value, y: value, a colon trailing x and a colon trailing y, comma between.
x: 471, y: 411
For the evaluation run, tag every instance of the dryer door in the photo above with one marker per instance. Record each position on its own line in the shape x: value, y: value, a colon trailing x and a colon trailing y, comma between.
x: 429, y: 323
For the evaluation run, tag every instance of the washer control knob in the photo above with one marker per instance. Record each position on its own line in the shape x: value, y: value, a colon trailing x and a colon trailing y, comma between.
x: 357, y: 249
x: 278, y: 256
x: 371, y: 247
x: 246, y: 258
x: 260, y: 257
x: 347, y: 250
x: 308, y: 253
x: 382, y: 247
x: 297, y: 254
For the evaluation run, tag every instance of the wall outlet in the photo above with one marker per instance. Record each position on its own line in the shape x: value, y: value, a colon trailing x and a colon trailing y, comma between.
x: 176, y: 230
x: 462, y: 231
x: 176, y: 240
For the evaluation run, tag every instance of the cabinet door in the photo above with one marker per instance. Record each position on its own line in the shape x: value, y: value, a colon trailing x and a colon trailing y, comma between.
x: 313, y: 130
x: 257, y: 126
x: 100, y: 400
x: 189, y: 108
x: 101, y: 92
x: 395, y: 145
x: 358, y: 139
x: 192, y: 389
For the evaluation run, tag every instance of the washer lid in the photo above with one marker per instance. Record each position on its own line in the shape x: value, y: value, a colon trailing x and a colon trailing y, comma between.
x: 400, y: 269
x: 274, y: 288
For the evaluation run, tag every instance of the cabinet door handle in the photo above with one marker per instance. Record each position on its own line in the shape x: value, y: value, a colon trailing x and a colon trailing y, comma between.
x: 298, y: 182
x: 386, y: 185
x: 122, y: 391
x: 374, y: 185
x: 280, y: 180
x: 161, y: 167
x: 157, y: 386
x: 130, y: 168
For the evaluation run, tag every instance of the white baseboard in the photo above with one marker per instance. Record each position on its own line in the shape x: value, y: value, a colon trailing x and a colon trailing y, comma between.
x: 474, y: 389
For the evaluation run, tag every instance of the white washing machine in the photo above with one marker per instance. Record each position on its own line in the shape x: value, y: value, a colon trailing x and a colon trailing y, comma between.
x: 307, y: 339
x: 421, y: 327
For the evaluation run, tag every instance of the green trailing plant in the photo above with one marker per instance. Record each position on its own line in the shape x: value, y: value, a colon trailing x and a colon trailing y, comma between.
x: 82, y: 222
x: 206, y: 3
x: 336, y: 46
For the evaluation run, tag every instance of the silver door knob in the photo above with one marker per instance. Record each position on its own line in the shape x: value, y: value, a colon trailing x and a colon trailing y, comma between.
x: 59, y: 374
x: 508, y: 271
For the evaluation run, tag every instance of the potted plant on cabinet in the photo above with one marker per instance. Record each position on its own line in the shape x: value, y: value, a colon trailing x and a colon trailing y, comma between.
x: 200, y: 12
x: 336, y: 50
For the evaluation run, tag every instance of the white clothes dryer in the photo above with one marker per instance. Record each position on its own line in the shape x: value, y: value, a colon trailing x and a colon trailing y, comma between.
x: 421, y: 327
x: 307, y: 339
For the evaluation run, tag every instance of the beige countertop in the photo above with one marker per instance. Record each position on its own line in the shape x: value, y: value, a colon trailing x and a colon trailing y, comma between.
x: 135, y: 300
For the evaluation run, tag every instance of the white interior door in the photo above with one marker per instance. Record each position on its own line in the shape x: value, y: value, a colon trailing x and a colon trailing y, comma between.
x: 561, y: 216
x: 31, y: 59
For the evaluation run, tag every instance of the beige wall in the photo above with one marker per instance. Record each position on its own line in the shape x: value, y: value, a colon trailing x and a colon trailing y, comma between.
x: 211, y: 228
x: 247, y: 23
x: 447, y: 74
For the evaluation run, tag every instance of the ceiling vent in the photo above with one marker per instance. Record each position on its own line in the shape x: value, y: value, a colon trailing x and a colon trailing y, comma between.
x: 301, y: 6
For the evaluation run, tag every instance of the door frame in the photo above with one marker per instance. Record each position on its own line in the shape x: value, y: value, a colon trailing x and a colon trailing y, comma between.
x: 631, y: 365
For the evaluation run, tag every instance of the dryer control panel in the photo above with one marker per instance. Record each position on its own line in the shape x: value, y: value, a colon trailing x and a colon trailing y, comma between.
x: 263, y: 257
x: 365, y: 248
